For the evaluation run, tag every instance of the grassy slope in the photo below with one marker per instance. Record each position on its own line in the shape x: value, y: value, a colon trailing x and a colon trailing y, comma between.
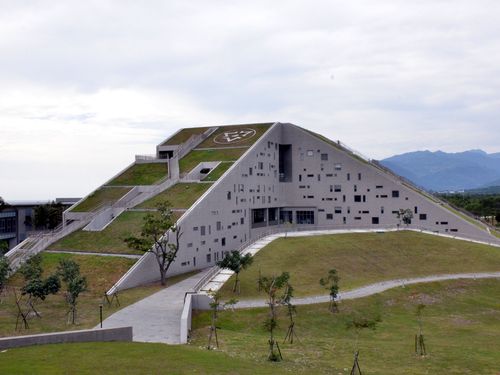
x: 141, y: 174
x: 218, y: 171
x: 124, y: 358
x: 364, y: 258
x: 461, y: 325
x: 191, y: 160
x: 183, y: 136
x: 109, y: 240
x: 101, y: 272
x: 101, y: 196
x: 259, y: 130
x: 181, y: 195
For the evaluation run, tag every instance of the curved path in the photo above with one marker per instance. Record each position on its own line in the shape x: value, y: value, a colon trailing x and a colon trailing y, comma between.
x: 375, y: 288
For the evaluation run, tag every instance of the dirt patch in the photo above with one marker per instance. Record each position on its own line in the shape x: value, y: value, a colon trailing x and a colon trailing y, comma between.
x: 423, y: 298
x: 460, y: 321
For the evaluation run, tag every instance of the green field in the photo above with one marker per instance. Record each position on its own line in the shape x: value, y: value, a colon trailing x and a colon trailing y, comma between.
x: 141, y: 174
x: 183, y: 135
x: 461, y: 324
x: 109, y: 240
x: 191, y: 160
x: 102, y: 196
x: 259, y: 130
x: 364, y: 258
x: 218, y: 171
x: 101, y: 272
x: 181, y: 195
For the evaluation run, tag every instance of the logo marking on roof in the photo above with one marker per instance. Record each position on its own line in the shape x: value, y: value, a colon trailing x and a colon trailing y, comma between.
x: 234, y: 136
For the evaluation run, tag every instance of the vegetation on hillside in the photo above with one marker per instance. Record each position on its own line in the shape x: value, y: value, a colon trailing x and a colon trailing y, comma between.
x: 141, y: 174
x: 484, y: 206
x: 101, y: 197
x: 363, y: 258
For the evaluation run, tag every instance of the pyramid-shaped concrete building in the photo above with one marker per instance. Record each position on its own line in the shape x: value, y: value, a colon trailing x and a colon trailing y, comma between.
x: 231, y: 185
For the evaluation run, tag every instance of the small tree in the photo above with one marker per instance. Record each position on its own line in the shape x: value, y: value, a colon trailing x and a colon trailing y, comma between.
x: 4, y: 273
x: 214, y: 306
x: 419, y: 338
x: 278, y: 291
x: 236, y: 262
x: 404, y: 216
x: 331, y: 283
x: 38, y: 289
x: 358, y: 322
x: 291, y: 312
x: 69, y: 271
x: 156, y: 237
x: 32, y: 268
x: 35, y: 287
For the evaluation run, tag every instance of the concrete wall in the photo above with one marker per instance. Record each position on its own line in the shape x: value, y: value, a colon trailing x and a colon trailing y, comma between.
x: 89, y: 335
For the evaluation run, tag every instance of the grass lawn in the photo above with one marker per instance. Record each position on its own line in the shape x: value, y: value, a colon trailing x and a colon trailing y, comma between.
x: 259, y: 130
x: 109, y: 240
x: 101, y: 272
x: 141, y: 174
x: 191, y: 160
x: 181, y: 195
x: 218, y: 171
x: 125, y: 358
x: 100, y: 197
x: 183, y: 135
x: 461, y: 325
x: 364, y: 258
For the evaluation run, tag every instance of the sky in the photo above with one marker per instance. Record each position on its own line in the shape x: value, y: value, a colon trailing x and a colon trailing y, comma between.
x: 86, y: 85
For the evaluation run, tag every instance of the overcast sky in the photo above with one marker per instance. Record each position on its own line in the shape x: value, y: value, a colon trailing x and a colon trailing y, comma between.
x: 86, y: 85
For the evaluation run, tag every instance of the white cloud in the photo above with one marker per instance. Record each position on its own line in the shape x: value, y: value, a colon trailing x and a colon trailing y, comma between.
x: 85, y: 85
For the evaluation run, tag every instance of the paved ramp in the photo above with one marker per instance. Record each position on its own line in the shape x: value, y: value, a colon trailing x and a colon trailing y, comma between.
x: 156, y: 318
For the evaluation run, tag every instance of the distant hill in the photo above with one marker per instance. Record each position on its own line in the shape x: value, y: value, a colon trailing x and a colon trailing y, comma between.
x: 442, y: 171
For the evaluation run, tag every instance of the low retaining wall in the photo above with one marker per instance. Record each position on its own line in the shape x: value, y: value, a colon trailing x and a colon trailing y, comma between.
x: 192, y: 302
x: 87, y: 335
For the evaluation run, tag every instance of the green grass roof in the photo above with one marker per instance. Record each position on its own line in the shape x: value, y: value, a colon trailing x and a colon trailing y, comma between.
x: 141, y: 174
x: 181, y: 195
x: 102, y: 196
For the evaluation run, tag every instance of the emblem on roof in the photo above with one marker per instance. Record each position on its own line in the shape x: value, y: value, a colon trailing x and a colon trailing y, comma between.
x: 234, y: 136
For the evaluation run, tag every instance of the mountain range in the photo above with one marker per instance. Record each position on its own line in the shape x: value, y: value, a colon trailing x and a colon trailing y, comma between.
x: 442, y: 171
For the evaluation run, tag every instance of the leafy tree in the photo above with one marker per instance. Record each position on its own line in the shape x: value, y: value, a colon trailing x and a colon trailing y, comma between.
x: 36, y: 288
x: 4, y: 247
x: 160, y: 235
x: 69, y: 271
x: 331, y: 283
x: 279, y: 292
x: 214, y: 306
x: 4, y: 272
x: 32, y: 268
x: 48, y: 215
x: 405, y: 215
x: 236, y: 262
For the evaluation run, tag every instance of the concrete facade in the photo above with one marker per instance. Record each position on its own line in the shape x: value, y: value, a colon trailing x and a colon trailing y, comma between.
x: 291, y: 174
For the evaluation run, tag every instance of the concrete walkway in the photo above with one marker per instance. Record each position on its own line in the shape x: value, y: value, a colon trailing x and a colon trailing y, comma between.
x: 131, y: 256
x: 156, y: 318
x: 375, y: 288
